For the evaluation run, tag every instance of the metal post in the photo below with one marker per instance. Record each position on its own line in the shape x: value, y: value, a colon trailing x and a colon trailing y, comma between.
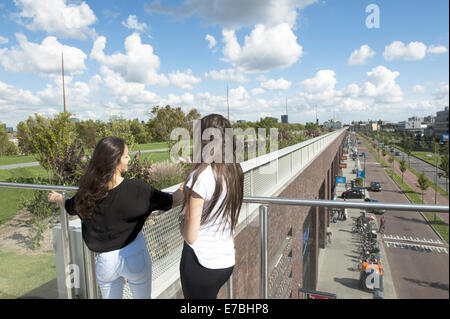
x: 230, y: 287
x: 435, y: 179
x: 66, y: 246
x: 263, y: 232
x: 89, y: 262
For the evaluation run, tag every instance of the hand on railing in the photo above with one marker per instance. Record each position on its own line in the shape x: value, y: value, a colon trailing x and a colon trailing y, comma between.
x: 54, y: 197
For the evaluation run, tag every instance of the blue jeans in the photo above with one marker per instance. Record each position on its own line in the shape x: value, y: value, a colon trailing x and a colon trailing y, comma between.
x: 131, y: 262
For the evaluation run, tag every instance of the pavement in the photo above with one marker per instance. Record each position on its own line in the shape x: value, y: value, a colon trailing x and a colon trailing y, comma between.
x: 338, y: 272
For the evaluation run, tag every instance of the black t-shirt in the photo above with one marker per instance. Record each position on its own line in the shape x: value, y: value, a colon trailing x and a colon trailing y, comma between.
x: 119, y: 218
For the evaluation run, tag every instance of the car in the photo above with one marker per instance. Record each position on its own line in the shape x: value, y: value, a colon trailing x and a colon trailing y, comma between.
x: 374, y: 210
x: 397, y: 153
x: 375, y: 187
x: 353, y: 193
x: 392, y: 149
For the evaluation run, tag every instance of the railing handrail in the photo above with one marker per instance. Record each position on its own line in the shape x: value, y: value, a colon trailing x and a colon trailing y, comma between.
x: 279, y: 201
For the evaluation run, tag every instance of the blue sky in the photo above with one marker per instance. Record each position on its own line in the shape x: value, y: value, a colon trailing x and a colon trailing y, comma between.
x: 124, y: 57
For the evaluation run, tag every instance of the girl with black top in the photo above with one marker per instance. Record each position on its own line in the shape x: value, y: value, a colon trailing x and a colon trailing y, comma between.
x: 113, y: 211
x: 213, y: 197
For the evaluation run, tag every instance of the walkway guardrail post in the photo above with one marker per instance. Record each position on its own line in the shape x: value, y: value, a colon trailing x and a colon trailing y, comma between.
x: 66, y: 248
x: 263, y: 232
x: 230, y: 287
x: 91, y: 283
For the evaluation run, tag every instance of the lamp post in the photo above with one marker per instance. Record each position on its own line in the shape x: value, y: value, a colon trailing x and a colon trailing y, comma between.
x: 435, y: 179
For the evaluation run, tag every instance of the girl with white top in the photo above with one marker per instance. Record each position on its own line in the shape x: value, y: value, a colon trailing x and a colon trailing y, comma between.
x: 213, y: 197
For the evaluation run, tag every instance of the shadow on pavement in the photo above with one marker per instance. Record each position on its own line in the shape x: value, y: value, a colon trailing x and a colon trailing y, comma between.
x: 422, y: 283
x: 348, y: 282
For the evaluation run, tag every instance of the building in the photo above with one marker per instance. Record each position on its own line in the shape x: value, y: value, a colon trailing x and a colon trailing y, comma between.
x: 333, y: 123
x: 413, y: 126
x: 365, y: 126
x: 441, y: 123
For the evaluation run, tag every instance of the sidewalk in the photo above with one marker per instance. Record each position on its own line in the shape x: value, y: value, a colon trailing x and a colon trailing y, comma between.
x: 338, y: 262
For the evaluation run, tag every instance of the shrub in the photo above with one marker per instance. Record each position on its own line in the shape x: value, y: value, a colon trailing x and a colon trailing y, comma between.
x: 165, y: 174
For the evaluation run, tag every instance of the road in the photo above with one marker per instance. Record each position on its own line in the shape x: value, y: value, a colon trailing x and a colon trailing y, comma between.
x: 418, y: 260
x: 11, y: 166
x: 420, y: 165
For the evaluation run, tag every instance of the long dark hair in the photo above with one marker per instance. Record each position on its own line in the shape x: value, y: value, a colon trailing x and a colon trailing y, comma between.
x: 93, y: 185
x: 230, y: 173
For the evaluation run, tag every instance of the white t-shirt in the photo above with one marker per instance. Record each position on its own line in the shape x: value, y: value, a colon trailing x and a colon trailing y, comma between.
x: 214, y: 247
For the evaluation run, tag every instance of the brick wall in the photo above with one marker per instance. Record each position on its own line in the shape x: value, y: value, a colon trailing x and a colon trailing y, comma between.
x: 317, y: 181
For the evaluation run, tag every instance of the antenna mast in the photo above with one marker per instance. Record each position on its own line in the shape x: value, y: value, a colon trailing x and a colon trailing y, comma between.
x: 228, y: 105
x: 64, y: 91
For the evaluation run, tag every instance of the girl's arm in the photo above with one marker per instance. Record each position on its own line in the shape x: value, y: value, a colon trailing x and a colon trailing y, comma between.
x: 191, y: 222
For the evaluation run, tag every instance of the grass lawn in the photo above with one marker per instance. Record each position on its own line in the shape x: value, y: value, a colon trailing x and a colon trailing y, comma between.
x: 150, y: 146
x: 22, y: 274
x: 10, y: 198
x: 422, y: 156
x: 155, y: 157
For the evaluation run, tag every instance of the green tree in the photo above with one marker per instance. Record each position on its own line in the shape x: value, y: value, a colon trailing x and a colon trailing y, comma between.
x: 141, y: 135
x: 86, y: 132
x: 408, y: 147
x: 6, y: 146
x: 403, y: 167
x: 164, y: 120
x: 46, y: 137
x: 119, y: 127
x: 424, y: 183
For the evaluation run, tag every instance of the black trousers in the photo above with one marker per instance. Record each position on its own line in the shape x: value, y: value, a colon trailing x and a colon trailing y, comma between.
x: 199, y: 282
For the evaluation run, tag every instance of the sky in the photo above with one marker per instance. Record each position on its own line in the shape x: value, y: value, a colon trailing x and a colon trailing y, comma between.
x: 351, y: 60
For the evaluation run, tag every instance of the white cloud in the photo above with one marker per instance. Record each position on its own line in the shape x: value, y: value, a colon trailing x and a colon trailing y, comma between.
x: 360, y: 56
x: 127, y: 93
x: 3, y: 40
x: 132, y: 23
x: 139, y: 64
x: 419, y: 89
x: 257, y: 91
x: 10, y: 97
x: 234, y: 14
x: 381, y: 86
x: 212, y: 41
x: 437, y: 49
x: 183, y: 80
x: 56, y: 17
x: 398, y: 50
x: 274, y: 85
x: 266, y: 48
x: 441, y: 94
x: 324, y: 81
x: 352, y: 90
x: 226, y: 75
x: 44, y: 58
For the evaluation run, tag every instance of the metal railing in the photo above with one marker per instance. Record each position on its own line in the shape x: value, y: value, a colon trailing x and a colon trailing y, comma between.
x: 263, y: 215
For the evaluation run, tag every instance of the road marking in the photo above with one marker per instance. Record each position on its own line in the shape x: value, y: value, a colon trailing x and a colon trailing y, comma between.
x: 439, y: 250
x: 409, y: 238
